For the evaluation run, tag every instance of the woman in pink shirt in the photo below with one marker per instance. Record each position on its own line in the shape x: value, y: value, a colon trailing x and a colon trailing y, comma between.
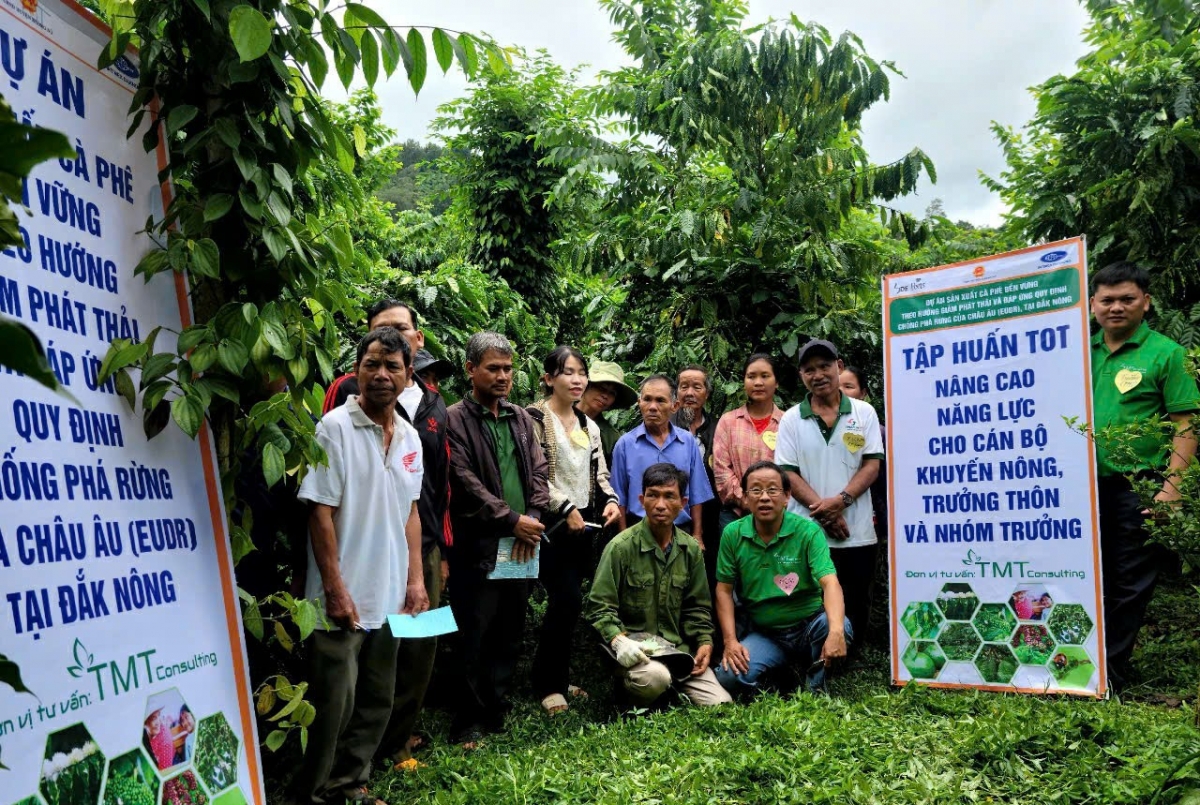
x: 746, y: 435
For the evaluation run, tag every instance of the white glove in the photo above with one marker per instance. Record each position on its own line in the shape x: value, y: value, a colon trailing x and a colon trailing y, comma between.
x: 629, y: 653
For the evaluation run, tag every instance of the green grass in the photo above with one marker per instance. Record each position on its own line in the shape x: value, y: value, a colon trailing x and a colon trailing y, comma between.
x: 868, y: 743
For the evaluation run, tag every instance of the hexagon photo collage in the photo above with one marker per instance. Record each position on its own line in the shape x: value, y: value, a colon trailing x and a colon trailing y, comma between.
x: 182, y: 760
x: 1028, y: 629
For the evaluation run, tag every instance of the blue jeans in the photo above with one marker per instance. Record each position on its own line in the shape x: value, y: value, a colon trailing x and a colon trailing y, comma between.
x: 775, y: 649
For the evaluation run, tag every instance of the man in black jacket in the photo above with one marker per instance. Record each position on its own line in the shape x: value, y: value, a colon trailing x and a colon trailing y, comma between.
x: 425, y: 410
x: 500, y: 488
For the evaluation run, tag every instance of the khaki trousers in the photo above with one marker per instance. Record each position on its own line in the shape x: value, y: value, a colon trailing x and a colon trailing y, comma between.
x: 648, y: 680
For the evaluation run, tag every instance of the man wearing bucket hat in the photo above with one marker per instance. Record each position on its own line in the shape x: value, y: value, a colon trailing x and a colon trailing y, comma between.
x: 831, y: 447
x: 606, y: 389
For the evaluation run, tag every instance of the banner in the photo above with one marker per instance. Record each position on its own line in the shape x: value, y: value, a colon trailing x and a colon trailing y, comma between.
x: 995, y: 558
x: 119, y: 613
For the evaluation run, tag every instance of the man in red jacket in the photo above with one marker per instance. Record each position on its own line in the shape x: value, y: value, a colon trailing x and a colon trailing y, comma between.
x: 425, y: 410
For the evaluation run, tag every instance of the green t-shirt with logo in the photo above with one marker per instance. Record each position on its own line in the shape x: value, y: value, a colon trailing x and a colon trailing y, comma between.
x: 779, y: 583
x: 1144, y: 379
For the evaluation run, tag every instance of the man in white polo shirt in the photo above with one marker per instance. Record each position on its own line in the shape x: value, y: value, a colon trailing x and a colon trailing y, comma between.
x: 831, y: 447
x: 364, y: 563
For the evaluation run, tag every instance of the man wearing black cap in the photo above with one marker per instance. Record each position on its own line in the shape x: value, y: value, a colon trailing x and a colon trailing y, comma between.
x: 425, y: 410
x: 431, y: 371
x: 831, y: 447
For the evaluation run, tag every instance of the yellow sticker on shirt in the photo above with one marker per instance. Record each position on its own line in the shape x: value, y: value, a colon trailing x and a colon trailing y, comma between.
x: 1128, y: 379
x: 580, y: 438
x: 854, y: 441
x: 769, y: 437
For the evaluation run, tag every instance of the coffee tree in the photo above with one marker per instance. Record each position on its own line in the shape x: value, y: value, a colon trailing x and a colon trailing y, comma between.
x: 264, y: 188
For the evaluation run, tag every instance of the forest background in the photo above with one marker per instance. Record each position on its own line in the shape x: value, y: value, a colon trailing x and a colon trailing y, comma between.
x: 711, y: 199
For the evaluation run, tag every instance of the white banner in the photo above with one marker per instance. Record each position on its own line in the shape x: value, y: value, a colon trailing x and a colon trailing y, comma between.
x: 995, y: 563
x: 119, y: 609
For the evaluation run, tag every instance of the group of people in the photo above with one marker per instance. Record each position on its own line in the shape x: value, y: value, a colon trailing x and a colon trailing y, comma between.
x: 418, y: 499
x: 744, y: 543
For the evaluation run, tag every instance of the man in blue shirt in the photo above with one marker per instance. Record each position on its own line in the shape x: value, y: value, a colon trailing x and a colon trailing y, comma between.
x: 655, y: 441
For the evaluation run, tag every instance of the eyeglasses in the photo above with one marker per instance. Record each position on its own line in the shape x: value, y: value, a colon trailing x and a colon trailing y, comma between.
x: 770, y: 491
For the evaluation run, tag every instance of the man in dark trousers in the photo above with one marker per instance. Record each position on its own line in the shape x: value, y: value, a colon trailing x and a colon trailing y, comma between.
x: 424, y: 409
x: 363, y: 565
x: 499, y: 483
x: 1138, y: 375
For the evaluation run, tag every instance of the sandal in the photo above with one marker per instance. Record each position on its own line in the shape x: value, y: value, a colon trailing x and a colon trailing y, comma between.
x: 576, y: 692
x: 411, y: 764
x: 554, y: 704
x: 469, y: 740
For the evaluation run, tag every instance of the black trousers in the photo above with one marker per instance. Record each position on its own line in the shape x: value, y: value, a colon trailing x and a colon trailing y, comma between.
x: 566, y: 560
x: 1131, y: 568
x: 491, y: 621
x: 856, y: 574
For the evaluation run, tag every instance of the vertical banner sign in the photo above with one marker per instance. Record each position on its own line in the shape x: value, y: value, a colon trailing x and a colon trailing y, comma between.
x: 123, y: 676
x: 995, y: 558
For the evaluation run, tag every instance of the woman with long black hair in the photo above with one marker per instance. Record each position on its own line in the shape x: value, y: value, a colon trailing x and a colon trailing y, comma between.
x: 580, y: 493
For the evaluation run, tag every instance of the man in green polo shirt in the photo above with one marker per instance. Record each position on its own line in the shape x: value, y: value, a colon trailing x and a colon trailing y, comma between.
x: 791, y: 602
x: 1138, y: 375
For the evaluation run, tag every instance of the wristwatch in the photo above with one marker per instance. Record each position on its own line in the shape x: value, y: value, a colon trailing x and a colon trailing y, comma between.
x: 847, y: 498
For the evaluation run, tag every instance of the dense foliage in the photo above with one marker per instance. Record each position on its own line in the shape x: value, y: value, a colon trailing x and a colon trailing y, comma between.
x: 735, y: 217
x: 417, y: 182
x: 1114, y: 149
x: 502, y: 177
x: 265, y: 182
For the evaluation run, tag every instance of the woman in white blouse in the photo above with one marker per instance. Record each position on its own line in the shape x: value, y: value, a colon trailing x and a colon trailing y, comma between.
x: 580, y: 498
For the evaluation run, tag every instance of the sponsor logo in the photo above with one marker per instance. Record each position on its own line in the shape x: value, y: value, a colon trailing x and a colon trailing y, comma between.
x: 125, y: 67
x: 408, y: 461
x: 431, y: 425
x: 978, y: 272
x: 30, y: 5
x: 910, y: 286
x: 1053, y: 257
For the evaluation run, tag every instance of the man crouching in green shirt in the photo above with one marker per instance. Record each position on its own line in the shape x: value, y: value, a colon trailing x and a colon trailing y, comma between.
x: 778, y: 564
x: 651, y: 580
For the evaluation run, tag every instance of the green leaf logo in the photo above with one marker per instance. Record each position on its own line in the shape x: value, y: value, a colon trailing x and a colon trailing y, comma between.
x: 971, y: 558
x: 83, y: 659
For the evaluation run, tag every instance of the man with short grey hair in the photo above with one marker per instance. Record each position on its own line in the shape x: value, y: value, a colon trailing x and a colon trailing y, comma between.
x: 655, y: 441
x: 499, y: 485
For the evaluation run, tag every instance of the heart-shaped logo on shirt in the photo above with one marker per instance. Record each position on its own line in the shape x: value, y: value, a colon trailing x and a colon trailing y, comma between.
x: 769, y: 438
x: 787, y: 583
x: 1128, y: 379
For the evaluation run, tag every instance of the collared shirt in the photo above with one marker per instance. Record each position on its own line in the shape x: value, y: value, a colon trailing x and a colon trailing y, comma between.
x: 737, y: 445
x: 1144, y: 379
x: 638, y: 450
x: 640, y: 588
x: 828, y: 457
x: 373, y: 491
x: 505, y: 448
x: 778, y: 582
